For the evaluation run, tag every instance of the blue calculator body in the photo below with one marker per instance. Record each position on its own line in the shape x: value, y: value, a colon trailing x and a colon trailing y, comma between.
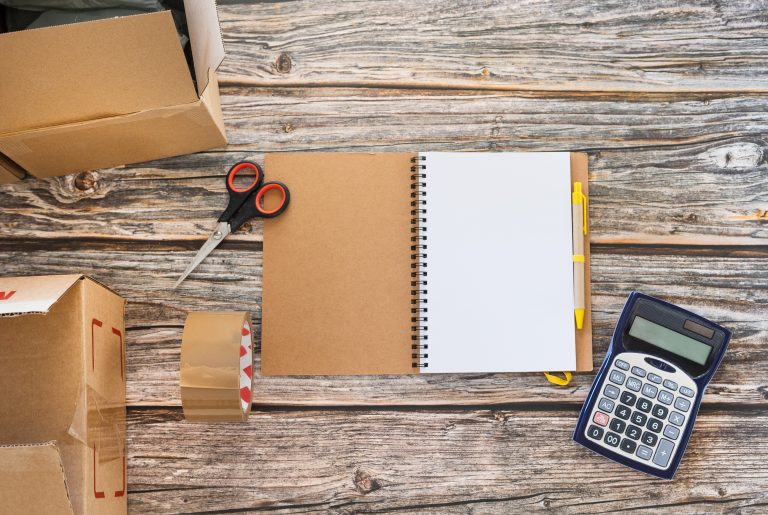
x: 644, y: 400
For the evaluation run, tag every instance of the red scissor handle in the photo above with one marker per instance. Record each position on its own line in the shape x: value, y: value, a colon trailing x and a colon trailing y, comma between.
x: 254, y: 207
x: 259, y: 202
x: 239, y: 196
x: 239, y: 167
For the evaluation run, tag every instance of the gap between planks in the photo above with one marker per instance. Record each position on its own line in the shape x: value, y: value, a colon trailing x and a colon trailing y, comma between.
x: 757, y: 410
x: 544, y: 92
x: 23, y: 244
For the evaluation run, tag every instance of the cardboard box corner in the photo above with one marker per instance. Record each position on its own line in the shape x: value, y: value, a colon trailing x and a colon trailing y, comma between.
x: 74, y: 419
x: 160, y: 115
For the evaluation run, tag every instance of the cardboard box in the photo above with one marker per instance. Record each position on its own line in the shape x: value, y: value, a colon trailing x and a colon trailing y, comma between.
x: 62, y: 378
x: 107, y: 93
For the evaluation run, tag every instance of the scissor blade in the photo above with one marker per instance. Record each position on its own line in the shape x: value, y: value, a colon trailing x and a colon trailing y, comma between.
x: 216, y: 237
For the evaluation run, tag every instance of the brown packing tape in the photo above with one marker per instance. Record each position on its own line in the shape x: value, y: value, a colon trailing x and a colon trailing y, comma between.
x: 211, y: 366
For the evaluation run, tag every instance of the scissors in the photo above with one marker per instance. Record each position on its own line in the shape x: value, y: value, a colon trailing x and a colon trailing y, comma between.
x: 244, y: 204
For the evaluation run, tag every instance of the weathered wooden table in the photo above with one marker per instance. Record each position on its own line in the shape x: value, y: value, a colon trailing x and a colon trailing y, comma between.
x: 670, y: 100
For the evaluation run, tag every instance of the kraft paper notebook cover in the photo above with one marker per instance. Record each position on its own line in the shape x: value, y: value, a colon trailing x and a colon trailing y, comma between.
x: 401, y: 263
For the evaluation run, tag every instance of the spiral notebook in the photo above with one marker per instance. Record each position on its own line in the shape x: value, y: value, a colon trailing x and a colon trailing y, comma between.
x: 402, y: 263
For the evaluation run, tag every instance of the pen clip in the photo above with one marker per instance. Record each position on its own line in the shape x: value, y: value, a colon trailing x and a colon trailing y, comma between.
x: 579, y: 197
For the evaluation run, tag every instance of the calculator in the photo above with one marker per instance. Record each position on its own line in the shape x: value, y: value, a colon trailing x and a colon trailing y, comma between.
x: 644, y: 400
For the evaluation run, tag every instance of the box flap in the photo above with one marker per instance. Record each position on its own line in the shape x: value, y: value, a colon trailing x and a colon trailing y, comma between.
x: 32, y: 480
x: 9, y: 170
x: 34, y: 294
x: 205, y: 38
x: 6, y: 176
x: 90, y: 70
x: 119, y: 140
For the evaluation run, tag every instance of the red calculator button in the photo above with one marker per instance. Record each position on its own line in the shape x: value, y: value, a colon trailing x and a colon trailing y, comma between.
x: 600, y: 418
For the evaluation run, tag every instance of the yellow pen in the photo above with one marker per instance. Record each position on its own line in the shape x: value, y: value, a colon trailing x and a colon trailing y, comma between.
x: 579, y: 220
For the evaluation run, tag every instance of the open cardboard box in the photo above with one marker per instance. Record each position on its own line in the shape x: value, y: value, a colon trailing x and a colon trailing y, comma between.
x: 62, y: 378
x: 107, y: 93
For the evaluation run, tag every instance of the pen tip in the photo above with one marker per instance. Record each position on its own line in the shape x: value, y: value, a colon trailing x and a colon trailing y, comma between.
x: 579, y: 318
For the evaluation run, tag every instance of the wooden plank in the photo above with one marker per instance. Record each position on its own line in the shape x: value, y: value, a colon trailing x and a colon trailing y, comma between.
x: 269, y: 119
x: 445, y: 461
x: 657, y: 45
x: 731, y: 290
x: 699, y: 194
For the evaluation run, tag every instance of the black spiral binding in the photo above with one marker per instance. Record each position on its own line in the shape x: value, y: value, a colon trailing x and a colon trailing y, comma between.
x: 419, y: 316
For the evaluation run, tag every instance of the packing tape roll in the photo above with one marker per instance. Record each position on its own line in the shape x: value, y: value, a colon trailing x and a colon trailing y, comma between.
x: 217, y: 367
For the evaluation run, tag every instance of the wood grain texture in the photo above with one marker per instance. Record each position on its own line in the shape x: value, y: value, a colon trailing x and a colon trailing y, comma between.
x: 450, y: 461
x: 407, y: 119
x: 699, y: 194
x: 628, y: 46
x: 732, y: 290
x: 668, y: 96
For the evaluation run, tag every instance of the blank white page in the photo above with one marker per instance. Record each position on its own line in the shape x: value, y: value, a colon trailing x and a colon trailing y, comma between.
x: 499, y: 265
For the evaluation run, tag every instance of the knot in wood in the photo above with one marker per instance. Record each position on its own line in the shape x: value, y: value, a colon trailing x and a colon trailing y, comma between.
x: 365, y: 483
x: 85, y: 181
x: 283, y: 64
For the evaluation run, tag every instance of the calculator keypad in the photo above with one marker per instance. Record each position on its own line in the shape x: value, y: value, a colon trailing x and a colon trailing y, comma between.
x: 640, y: 414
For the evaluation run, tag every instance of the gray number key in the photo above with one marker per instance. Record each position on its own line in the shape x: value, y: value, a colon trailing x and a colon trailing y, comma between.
x: 605, y: 405
x: 663, y: 453
x: 682, y: 404
x: 634, y: 384
x: 611, y: 391
x: 676, y: 418
x: 666, y: 397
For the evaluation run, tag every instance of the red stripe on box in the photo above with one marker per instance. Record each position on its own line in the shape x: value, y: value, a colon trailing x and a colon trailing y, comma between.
x: 96, y: 323
x: 96, y: 494
x: 120, y: 493
x: 120, y: 336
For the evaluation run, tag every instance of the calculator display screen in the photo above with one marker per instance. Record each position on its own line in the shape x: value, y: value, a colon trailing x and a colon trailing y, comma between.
x: 670, y: 340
